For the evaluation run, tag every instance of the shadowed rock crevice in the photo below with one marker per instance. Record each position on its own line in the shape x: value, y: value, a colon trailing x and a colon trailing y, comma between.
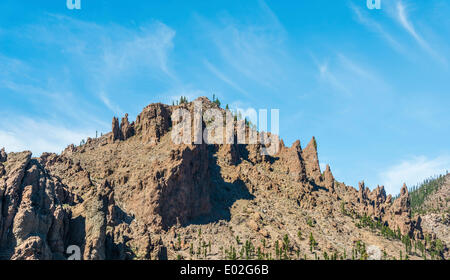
x: 223, y: 194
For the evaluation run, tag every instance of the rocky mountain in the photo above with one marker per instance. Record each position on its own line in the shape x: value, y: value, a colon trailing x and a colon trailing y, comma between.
x: 431, y: 200
x: 135, y: 194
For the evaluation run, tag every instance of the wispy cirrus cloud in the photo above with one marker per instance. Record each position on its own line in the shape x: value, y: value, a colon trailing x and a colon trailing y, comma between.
x: 223, y: 77
x: 349, y: 77
x: 329, y: 77
x: 250, y: 53
x: 122, y: 53
x: 403, y: 18
x: 108, y: 55
x: 90, y: 70
x: 363, y: 18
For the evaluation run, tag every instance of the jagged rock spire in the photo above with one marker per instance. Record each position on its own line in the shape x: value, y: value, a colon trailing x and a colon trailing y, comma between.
x: 404, y: 190
x: 400, y: 214
x: 312, y: 161
x: 126, y: 128
x: 115, y: 129
x: 123, y: 131
x: 362, y: 193
x: 329, y: 179
x: 295, y: 162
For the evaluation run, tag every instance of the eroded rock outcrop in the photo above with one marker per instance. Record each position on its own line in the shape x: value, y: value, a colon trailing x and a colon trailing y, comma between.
x: 312, y: 161
x: 34, y: 223
x: 3, y: 155
x: 396, y: 215
x: 399, y: 214
x: 293, y: 161
x: 329, y: 181
x: 153, y: 123
x: 116, y: 133
x: 126, y: 129
x: 135, y: 194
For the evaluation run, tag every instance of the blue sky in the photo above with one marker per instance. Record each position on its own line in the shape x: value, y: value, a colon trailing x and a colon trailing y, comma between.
x: 373, y: 86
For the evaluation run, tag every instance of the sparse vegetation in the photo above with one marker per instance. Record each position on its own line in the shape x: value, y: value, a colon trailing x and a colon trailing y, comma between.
x: 216, y: 100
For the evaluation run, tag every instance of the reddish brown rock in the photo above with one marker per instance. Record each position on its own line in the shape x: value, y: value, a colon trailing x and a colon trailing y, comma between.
x: 126, y: 129
x: 399, y: 216
x: 33, y: 218
x: 34, y: 248
x: 125, y: 199
x: 116, y: 133
x: 293, y: 161
x: 69, y: 150
x: 328, y: 180
x: 153, y: 123
x: 312, y: 161
x: 229, y: 153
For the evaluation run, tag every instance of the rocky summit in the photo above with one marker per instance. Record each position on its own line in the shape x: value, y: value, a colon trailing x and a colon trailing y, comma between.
x: 135, y: 194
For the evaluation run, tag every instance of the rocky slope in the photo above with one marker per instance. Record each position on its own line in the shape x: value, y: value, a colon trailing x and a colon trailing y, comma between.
x: 134, y: 194
x: 435, y: 210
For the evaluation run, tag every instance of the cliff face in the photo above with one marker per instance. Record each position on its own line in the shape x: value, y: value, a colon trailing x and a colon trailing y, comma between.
x: 133, y: 193
x: 33, y: 221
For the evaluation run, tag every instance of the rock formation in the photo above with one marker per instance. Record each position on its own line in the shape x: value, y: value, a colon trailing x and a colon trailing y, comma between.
x: 126, y: 129
x: 33, y: 222
x: 293, y: 161
x: 328, y: 180
x: 153, y: 122
x: 3, y: 155
x: 134, y: 194
x: 116, y: 133
x: 399, y: 213
x: 312, y: 161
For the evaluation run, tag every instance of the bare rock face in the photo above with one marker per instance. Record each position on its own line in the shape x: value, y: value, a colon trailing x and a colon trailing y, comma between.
x: 399, y: 215
x: 3, y: 158
x: 116, y: 133
x: 126, y: 129
x: 95, y: 230
x: 362, y: 194
x: 372, y: 203
x: 439, y: 223
x: 328, y: 180
x: 69, y: 150
x: 3, y: 155
x: 135, y: 194
x: 312, y: 161
x: 396, y: 215
x: 293, y: 161
x: 34, y: 248
x: 11, y: 192
x: 378, y: 202
x: 33, y: 222
x: 230, y: 154
x: 183, y: 196
x: 153, y: 123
